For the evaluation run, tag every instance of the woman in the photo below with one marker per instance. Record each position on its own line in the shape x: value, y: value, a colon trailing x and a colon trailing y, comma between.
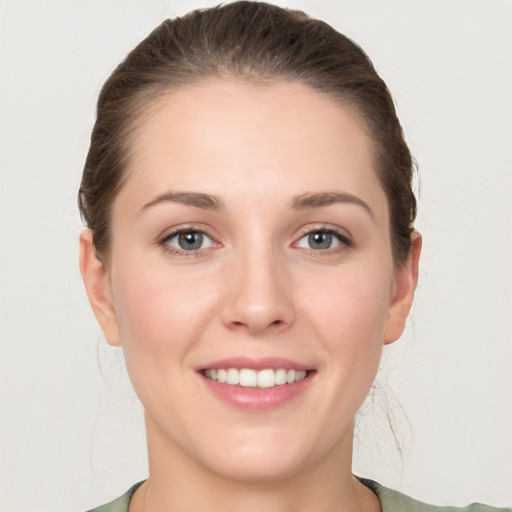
x: 250, y: 245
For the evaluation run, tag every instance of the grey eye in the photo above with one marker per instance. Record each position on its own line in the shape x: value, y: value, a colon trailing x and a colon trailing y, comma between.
x: 189, y: 240
x: 320, y: 240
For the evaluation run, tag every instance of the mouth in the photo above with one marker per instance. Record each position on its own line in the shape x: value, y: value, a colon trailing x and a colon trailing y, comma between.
x: 260, y: 379
x: 257, y: 384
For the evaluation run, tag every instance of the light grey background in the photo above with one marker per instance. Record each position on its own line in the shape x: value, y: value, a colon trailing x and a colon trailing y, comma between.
x: 72, y: 438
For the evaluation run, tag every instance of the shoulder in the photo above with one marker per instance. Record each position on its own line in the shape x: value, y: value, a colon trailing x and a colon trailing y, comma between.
x: 391, y: 501
x: 120, y: 504
x: 394, y: 501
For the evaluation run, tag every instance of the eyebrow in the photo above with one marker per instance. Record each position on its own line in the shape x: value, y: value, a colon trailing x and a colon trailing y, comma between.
x: 319, y: 199
x: 196, y: 199
x: 301, y: 202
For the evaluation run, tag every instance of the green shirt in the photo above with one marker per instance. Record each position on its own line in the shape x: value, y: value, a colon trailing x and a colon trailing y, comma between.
x: 391, y: 501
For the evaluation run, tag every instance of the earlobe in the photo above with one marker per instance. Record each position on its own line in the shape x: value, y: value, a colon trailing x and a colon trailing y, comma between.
x: 97, y: 284
x: 406, y: 279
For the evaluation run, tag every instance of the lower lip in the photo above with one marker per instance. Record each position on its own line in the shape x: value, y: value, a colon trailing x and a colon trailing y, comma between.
x: 257, y: 399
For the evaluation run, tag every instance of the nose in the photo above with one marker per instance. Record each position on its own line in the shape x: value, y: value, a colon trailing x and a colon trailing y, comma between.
x: 259, y: 294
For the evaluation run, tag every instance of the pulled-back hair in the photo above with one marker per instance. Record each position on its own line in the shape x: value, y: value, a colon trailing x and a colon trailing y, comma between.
x: 252, y: 41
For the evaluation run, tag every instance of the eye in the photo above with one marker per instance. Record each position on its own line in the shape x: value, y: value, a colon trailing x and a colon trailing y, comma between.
x: 188, y: 240
x: 323, y: 239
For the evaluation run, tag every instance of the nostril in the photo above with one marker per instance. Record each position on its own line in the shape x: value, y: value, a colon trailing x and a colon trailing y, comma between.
x: 276, y: 324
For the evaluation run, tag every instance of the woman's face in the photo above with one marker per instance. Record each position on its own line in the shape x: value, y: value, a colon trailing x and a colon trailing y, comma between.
x: 250, y: 241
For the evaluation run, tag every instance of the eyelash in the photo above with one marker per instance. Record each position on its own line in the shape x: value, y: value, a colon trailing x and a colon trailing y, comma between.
x: 164, y: 242
x: 344, y: 241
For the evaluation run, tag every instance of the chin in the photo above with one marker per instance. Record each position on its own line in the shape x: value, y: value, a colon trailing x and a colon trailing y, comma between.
x: 258, y: 469
x: 264, y: 456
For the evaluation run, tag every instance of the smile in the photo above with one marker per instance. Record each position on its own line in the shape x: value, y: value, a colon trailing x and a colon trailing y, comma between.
x: 246, y: 377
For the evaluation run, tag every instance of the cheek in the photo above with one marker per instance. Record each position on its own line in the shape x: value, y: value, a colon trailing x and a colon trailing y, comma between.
x: 349, y: 319
x: 159, y: 310
x: 161, y: 317
x: 351, y: 308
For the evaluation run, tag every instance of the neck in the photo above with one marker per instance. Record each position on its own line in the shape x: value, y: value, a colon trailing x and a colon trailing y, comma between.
x: 178, y: 483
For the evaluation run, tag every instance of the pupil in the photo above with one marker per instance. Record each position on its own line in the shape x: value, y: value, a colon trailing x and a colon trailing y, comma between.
x: 191, y: 241
x: 320, y: 240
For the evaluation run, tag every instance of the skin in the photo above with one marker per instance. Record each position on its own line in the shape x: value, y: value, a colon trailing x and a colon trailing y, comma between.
x: 256, y: 288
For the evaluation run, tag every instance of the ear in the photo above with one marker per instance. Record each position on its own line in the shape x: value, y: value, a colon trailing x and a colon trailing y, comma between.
x: 405, y: 281
x: 97, y: 284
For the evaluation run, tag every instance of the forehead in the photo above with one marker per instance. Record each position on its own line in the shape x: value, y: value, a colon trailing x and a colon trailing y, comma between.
x: 275, y: 138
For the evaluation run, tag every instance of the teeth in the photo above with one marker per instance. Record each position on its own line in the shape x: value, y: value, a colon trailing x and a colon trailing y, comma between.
x: 281, y: 376
x: 233, y: 376
x: 266, y: 378
x: 246, y: 377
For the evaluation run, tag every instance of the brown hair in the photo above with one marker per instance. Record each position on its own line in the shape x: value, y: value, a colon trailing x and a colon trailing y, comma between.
x: 253, y: 41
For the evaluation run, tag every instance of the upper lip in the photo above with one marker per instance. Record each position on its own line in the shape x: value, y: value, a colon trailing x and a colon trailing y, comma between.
x: 274, y: 363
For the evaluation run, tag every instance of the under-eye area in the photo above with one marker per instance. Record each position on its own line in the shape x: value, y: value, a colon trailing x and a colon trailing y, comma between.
x: 248, y: 377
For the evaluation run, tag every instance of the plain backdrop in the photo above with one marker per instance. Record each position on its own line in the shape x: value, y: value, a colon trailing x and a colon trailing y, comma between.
x: 71, y: 434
